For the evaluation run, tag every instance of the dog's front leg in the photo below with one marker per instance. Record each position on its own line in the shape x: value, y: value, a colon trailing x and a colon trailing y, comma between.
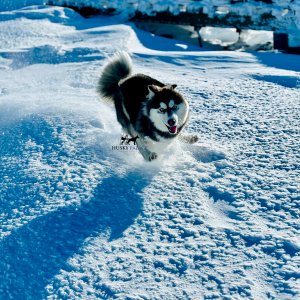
x: 146, y: 153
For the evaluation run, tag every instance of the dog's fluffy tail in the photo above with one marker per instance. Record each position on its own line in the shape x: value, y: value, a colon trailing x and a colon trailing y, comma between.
x: 118, y: 68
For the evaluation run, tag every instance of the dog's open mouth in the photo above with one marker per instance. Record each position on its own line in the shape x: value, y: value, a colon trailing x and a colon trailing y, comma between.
x: 172, y: 129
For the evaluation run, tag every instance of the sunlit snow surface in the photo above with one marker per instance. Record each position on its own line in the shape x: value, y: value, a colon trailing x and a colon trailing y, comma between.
x: 216, y: 220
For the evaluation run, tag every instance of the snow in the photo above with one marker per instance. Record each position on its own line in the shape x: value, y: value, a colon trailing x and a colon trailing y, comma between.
x: 7, y: 5
x: 280, y: 16
x: 286, y: 12
x: 214, y: 220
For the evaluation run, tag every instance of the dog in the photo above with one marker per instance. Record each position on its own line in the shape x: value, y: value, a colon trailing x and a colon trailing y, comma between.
x: 134, y: 139
x: 145, y: 107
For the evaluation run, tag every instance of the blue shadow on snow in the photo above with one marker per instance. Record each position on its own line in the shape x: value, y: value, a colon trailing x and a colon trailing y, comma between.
x: 33, y: 254
x: 285, y: 81
x: 279, y: 60
x: 16, y: 183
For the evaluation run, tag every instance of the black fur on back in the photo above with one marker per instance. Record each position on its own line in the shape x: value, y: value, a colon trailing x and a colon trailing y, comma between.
x: 135, y: 90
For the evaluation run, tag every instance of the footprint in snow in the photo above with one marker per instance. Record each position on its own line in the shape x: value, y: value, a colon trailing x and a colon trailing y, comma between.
x: 206, y: 154
x: 3, y: 91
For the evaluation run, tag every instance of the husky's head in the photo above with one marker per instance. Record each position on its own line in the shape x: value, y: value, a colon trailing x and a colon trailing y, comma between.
x: 168, y: 110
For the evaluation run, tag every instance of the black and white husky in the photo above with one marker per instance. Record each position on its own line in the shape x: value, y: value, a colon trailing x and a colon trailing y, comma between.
x: 145, y: 107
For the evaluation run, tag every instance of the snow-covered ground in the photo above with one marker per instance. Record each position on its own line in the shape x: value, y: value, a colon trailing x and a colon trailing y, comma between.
x: 215, y: 220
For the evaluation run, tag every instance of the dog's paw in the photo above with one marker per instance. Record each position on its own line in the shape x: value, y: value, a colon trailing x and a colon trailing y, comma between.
x: 189, y: 139
x: 193, y: 139
x: 152, y: 156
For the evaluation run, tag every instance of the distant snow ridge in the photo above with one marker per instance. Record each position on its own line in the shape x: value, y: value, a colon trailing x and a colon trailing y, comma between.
x: 284, y: 16
x: 284, y: 11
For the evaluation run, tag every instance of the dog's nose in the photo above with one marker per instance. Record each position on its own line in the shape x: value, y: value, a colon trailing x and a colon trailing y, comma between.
x: 172, y: 122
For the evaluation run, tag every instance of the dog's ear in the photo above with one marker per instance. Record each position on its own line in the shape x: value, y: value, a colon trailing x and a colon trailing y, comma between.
x: 152, y: 89
x: 171, y: 86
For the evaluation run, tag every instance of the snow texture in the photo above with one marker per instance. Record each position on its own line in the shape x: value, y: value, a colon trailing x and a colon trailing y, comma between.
x: 214, y: 220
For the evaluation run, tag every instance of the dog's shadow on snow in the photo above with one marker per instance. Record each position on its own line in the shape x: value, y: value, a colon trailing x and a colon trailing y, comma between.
x: 32, y: 255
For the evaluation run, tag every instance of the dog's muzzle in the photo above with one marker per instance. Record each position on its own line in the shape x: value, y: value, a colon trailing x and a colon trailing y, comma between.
x: 172, y: 126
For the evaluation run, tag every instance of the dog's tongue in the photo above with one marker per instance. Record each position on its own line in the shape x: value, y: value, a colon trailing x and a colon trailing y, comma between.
x: 173, y: 129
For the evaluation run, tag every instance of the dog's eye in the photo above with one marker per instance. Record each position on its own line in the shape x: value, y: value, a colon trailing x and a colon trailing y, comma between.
x: 161, y: 110
x: 174, y: 107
